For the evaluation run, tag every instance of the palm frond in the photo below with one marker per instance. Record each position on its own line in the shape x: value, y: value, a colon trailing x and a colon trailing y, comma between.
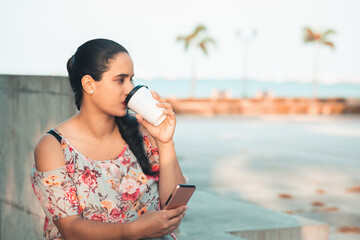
x: 198, y: 29
x: 309, y: 35
x: 325, y: 37
x: 180, y: 38
x: 187, y: 44
x: 203, y: 48
x: 308, y: 31
x: 205, y: 42
x: 330, y: 44
x: 209, y: 40
x: 328, y: 32
x: 185, y: 40
x: 195, y: 33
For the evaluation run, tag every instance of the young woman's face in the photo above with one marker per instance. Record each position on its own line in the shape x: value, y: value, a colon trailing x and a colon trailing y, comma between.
x: 115, y: 85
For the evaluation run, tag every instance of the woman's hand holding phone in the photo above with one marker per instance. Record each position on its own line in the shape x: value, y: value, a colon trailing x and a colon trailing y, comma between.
x: 154, y: 223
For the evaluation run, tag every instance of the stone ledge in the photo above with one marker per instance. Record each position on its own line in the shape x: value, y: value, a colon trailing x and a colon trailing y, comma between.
x: 211, y: 216
x: 32, y: 84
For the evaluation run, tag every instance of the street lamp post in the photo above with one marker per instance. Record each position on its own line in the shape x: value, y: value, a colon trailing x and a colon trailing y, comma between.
x: 245, y: 39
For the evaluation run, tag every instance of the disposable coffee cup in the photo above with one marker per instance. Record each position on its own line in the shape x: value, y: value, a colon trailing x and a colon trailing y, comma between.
x: 141, y: 101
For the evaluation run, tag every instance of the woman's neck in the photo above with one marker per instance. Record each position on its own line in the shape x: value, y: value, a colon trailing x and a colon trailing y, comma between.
x: 95, y: 124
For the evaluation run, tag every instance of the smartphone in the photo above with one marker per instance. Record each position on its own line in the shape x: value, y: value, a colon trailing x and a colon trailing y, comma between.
x: 180, y: 196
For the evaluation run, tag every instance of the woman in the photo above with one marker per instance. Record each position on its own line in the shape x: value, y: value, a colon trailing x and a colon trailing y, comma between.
x: 101, y: 174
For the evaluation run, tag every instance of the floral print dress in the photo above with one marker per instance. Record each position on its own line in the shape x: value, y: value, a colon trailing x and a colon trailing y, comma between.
x: 115, y: 191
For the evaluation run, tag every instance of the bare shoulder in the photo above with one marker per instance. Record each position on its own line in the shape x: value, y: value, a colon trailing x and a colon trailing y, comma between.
x: 68, y: 126
x: 151, y: 138
x: 48, y: 154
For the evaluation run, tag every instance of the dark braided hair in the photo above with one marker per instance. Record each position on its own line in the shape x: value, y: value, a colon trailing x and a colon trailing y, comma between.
x: 92, y: 58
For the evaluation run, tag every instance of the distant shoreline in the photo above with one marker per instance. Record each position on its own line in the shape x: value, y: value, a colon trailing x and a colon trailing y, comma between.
x: 217, y: 103
x: 254, y: 106
x: 207, y: 88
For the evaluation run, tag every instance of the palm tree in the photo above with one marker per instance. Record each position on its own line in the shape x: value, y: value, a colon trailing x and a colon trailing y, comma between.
x: 318, y: 38
x: 198, y: 39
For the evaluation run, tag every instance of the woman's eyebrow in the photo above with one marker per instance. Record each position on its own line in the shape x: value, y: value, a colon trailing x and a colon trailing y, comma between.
x: 123, y: 75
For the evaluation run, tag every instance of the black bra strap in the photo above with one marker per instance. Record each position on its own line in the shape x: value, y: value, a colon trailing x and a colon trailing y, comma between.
x: 57, y: 136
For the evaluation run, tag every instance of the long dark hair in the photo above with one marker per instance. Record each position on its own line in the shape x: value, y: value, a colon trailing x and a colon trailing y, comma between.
x: 92, y: 58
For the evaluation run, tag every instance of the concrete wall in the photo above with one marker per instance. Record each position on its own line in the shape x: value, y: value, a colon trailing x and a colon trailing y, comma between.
x: 30, y: 105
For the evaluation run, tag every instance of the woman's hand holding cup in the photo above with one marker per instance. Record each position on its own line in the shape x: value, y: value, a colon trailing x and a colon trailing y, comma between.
x: 165, y: 131
x: 153, y: 112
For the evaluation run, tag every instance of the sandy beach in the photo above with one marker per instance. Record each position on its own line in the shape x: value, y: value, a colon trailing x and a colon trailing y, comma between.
x: 303, y: 165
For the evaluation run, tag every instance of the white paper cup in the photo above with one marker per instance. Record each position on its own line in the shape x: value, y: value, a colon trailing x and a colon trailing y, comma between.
x: 141, y: 101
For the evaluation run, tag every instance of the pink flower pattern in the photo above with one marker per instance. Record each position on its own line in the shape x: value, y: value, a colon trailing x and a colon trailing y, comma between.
x: 83, y: 186
x: 125, y: 161
x: 71, y: 196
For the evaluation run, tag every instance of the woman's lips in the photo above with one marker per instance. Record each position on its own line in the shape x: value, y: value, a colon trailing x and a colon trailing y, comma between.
x: 124, y: 104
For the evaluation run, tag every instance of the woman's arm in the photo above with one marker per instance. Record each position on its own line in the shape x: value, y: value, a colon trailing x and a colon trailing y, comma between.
x: 77, y: 228
x: 170, y: 171
x: 152, y: 224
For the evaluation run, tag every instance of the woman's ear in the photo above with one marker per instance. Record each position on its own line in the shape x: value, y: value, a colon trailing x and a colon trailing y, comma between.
x: 88, y: 84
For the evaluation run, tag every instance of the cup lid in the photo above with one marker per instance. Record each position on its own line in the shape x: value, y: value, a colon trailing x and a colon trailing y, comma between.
x: 132, y: 92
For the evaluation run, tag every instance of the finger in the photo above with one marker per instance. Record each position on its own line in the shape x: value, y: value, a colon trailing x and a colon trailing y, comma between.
x: 157, y: 97
x: 176, y: 211
x: 164, y: 105
x: 142, y: 121
x: 170, y: 113
x: 175, y: 222
x: 139, y: 118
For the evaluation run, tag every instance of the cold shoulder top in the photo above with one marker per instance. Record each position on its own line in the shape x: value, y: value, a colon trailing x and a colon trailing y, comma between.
x: 115, y: 191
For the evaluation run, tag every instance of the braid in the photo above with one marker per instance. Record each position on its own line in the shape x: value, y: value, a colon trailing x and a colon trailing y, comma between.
x: 74, y: 77
x: 129, y: 130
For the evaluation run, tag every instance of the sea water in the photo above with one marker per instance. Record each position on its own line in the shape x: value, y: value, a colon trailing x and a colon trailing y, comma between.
x: 204, y: 88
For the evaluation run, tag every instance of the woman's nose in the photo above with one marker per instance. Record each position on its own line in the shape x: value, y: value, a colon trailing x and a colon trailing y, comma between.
x: 128, y: 87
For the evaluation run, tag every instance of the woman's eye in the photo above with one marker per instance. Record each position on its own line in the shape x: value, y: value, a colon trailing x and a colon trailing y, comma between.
x: 121, y: 80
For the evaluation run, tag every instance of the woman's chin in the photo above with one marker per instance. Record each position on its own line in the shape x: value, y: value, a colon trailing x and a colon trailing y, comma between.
x: 121, y: 113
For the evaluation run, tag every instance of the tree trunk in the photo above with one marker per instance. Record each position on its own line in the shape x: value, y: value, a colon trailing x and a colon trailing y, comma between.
x: 316, y: 69
x: 193, y: 75
x: 245, y: 67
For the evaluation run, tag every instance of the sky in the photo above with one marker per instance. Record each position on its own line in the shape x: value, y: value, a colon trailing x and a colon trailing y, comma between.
x: 39, y: 36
